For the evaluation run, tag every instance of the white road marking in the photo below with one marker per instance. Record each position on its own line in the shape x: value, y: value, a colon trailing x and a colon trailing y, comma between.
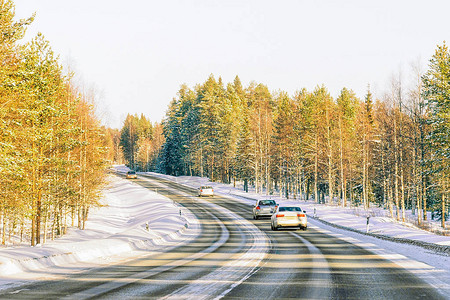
x: 112, y: 285
x: 221, y: 281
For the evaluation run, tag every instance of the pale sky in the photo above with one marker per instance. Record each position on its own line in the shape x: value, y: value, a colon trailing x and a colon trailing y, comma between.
x: 137, y: 53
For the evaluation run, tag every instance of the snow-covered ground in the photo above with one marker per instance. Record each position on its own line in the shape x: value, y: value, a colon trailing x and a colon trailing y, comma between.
x: 132, y: 222
x: 119, y: 231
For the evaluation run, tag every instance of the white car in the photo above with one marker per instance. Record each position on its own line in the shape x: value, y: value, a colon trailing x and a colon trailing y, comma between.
x: 289, y: 216
x: 205, y: 191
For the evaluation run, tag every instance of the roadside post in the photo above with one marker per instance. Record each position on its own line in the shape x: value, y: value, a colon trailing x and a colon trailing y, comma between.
x: 367, y: 224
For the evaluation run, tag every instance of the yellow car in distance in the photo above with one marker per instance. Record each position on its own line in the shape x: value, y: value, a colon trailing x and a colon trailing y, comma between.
x: 131, y: 175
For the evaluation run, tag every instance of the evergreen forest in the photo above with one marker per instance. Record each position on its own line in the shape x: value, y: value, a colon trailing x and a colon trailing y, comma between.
x: 53, y: 150
x: 392, y: 152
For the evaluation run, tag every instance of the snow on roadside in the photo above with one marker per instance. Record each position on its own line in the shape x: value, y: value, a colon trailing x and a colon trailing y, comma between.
x: 114, y: 232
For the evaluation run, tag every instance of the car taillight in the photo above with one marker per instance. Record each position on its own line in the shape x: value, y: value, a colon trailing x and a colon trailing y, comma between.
x: 280, y: 215
x: 301, y: 215
x: 258, y: 207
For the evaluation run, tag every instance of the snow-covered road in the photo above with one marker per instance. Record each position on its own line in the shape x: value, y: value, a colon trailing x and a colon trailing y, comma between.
x: 118, y: 232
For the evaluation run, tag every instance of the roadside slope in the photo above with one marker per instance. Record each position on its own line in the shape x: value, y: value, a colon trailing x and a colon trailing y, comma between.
x: 132, y: 222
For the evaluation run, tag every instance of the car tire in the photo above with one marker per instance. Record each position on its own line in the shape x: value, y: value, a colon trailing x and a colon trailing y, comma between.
x: 274, y: 228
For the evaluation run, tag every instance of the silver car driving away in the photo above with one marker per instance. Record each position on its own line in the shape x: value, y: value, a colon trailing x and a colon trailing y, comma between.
x: 264, y: 208
x: 289, y: 216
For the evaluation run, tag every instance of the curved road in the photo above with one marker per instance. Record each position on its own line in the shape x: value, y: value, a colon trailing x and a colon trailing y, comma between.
x: 235, y: 257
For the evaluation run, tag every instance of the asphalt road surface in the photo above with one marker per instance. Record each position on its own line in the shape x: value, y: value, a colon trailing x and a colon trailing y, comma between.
x: 236, y: 257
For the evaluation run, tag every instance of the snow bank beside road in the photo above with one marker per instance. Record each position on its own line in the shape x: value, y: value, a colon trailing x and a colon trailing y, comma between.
x: 114, y: 232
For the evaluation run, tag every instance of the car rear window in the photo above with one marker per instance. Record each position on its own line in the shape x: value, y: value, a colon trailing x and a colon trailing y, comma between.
x: 289, y: 208
x: 131, y: 172
x: 206, y: 187
x: 267, y: 202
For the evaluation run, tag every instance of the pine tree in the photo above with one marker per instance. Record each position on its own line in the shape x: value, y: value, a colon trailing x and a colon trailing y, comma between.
x: 366, y: 131
x: 283, y: 140
x: 129, y: 137
x: 261, y: 106
x: 172, y: 152
x: 245, y: 157
x: 347, y: 105
x: 437, y: 94
x: 12, y: 92
x: 209, y: 96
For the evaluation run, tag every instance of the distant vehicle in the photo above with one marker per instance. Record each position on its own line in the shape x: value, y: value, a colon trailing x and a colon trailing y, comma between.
x: 264, y: 208
x: 131, y: 175
x: 289, y: 216
x: 205, y: 191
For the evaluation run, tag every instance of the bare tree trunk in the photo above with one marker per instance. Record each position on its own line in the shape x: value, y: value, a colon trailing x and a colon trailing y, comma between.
x: 419, y: 206
x: 402, y: 180
x: 316, y: 169
x: 365, y: 167
x: 281, y: 179
x: 424, y: 194
x: 443, y: 210
x: 55, y: 223
x: 33, y: 194
x: 396, y: 176
x: 22, y: 228
x: 45, y: 225
x: 341, y: 161
x: 212, y: 167
x: 383, y: 168
x: 350, y: 186
x: 72, y: 215
x: 3, y: 226
x: 256, y: 172
x: 443, y: 200
x: 390, y: 195
x: 79, y: 216
x: 38, y: 215
x: 330, y: 158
